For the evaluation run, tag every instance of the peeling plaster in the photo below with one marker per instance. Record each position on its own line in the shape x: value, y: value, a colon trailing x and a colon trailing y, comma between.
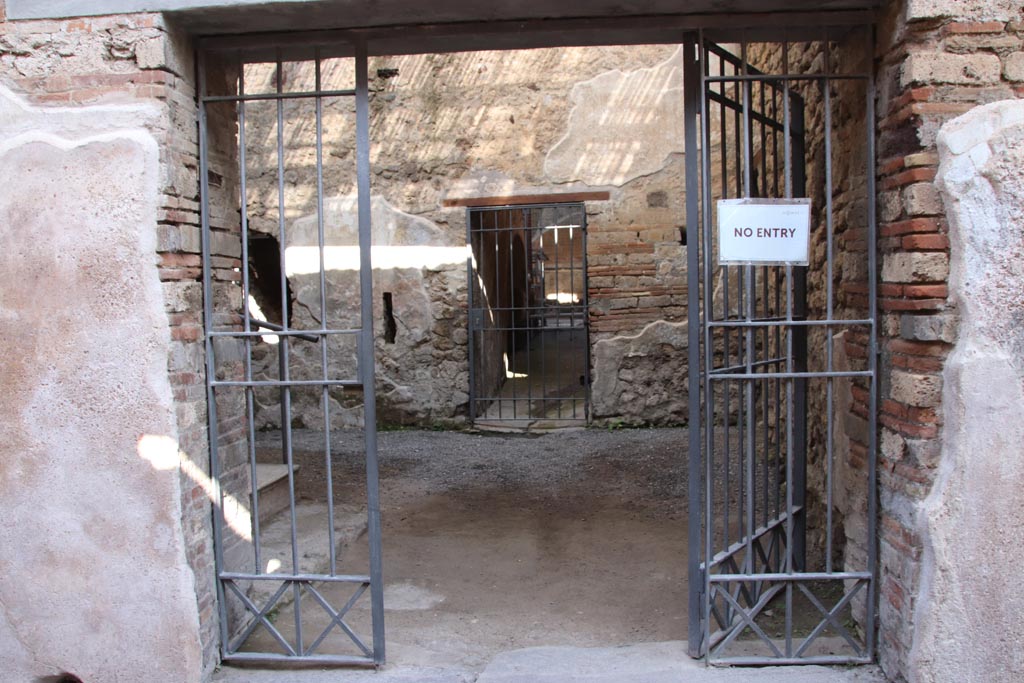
x: 642, y: 377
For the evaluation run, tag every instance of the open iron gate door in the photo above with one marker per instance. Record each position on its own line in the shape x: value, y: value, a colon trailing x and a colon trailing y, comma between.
x: 761, y: 592
x: 288, y: 588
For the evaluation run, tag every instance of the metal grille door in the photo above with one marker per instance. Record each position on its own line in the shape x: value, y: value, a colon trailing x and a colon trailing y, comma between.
x: 769, y: 580
x: 286, y: 585
x: 528, y: 315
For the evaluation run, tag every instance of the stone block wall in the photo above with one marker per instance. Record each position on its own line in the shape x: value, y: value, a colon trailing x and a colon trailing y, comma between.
x: 936, y: 60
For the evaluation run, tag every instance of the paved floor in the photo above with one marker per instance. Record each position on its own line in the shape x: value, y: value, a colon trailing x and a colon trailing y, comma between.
x: 645, y: 663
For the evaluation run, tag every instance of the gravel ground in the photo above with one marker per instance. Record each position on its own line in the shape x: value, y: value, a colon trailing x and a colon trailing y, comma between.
x: 646, y: 466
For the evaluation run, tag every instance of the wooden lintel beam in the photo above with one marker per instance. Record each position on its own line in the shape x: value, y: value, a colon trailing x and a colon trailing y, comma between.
x: 521, y: 199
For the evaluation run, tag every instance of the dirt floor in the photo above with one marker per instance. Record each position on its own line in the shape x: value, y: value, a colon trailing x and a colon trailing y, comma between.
x: 494, y: 542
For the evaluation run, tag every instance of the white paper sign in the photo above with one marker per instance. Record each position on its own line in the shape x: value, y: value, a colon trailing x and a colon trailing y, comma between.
x: 764, y: 231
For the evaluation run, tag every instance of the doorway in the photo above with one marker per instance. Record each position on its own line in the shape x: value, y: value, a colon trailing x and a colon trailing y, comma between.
x: 326, y: 389
x: 528, y: 320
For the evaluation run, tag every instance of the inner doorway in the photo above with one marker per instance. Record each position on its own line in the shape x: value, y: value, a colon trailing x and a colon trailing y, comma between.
x: 529, y: 346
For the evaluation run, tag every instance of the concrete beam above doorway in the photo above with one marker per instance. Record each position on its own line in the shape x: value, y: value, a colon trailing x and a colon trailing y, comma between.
x: 234, y: 16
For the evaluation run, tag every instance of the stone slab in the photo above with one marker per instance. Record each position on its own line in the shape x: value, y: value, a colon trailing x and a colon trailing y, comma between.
x: 648, y: 663
x: 387, y: 674
x: 272, y: 484
x: 314, y: 543
x: 643, y: 663
x: 49, y: 9
x: 451, y: 10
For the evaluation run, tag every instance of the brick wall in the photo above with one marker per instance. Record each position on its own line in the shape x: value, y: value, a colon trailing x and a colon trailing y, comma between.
x: 637, y: 273
x: 933, y: 65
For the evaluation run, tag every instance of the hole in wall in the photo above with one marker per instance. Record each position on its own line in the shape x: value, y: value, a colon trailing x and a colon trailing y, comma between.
x: 59, y: 678
x: 390, y: 328
x: 657, y: 199
x: 265, y: 277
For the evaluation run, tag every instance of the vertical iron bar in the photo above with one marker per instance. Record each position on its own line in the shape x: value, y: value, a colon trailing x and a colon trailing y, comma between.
x: 572, y: 307
x: 723, y: 132
x: 537, y: 220
x: 787, y: 166
x: 510, y: 375
x: 691, y: 91
x: 798, y: 157
x: 737, y: 189
x: 472, y: 254
x: 497, y: 306
x: 776, y: 468
x: 827, y: 85
x: 707, y: 247
x: 558, y: 308
x: 284, y: 361
x: 366, y: 349
x: 247, y: 323
x: 544, y: 339
x: 766, y: 386
x: 530, y: 310
x: 749, y: 341
x: 325, y: 396
x: 211, y: 369
x: 585, y: 293
x: 778, y: 272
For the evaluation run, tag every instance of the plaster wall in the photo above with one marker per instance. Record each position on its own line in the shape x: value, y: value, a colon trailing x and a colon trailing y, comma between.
x: 96, y: 581
x: 972, y: 521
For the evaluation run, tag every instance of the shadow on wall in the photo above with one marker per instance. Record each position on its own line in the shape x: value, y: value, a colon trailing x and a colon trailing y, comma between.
x: 532, y: 117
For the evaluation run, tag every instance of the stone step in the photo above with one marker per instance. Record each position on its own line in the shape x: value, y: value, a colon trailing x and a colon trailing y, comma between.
x: 272, y: 487
x: 313, y: 536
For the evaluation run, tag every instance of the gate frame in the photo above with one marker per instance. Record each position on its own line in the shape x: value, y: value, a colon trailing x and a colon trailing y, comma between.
x: 365, y: 381
x: 700, y: 443
x: 508, y: 35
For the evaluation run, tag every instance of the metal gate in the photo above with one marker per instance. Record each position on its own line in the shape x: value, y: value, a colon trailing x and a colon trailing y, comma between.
x: 768, y: 583
x: 286, y: 586
x: 528, y: 323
